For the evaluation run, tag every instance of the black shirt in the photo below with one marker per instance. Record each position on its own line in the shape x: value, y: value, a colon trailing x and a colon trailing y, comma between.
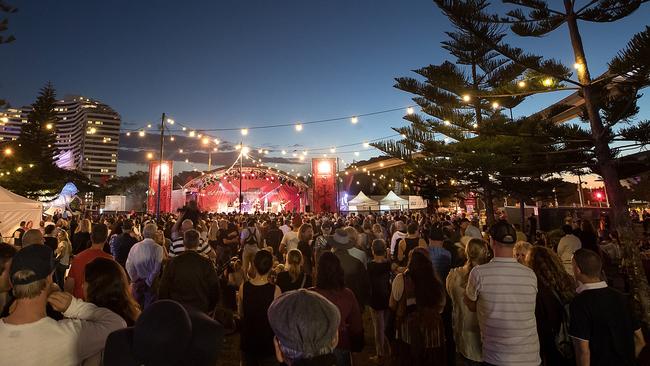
x: 122, y: 246
x: 285, y: 283
x: 51, y: 242
x: 380, y: 283
x: 605, y: 318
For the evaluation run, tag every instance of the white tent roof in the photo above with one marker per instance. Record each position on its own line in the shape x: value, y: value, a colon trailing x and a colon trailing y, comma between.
x: 392, y: 198
x: 14, y: 209
x: 361, y: 199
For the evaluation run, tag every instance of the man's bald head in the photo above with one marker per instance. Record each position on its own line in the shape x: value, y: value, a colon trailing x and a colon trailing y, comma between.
x: 187, y: 224
x: 32, y: 236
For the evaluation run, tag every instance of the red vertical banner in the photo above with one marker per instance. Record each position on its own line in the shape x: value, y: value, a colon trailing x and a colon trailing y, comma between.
x: 324, y: 179
x: 166, y: 171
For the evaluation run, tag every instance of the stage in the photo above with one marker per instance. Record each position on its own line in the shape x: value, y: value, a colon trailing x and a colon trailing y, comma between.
x: 262, y: 190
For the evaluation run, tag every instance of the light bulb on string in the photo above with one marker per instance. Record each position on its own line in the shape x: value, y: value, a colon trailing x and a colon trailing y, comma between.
x: 260, y: 151
x: 495, y: 105
x: 356, y: 153
x: 141, y: 133
x: 447, y: 122
x: 284, y: 152
x: 184, y: 128
x: 149, y: 155
x: 180, y: 151
x: 244, y: 131
x: 199, y: 135
x: 354, y: 120
x: 333, y: 150
x: 298, y: 127
x: 149, y: 125
x: 187, y: 160
x: 192, y: 133
x: 205, y: 141
x: 128, y: 134
x: 410, y: 110
x: 172, y: 138
x: 547, y: 82
x: 467, y: 98
x: 170, y: 121
x: 521, y: 84
x: 366, y: 144
x: 216, y: 141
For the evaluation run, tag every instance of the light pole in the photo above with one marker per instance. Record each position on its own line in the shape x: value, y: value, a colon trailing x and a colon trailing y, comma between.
x: 160, y: 162
x: 241, y: 177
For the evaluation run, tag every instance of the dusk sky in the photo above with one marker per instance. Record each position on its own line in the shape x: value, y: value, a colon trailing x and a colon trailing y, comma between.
x: 222, y: 64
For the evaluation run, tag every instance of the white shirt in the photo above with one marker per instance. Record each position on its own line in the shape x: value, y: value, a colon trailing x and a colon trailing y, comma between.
x: 473, y: 231
x: 69, y: 341
x: 397, y: 236
x: 285, y: 229
x: 505, y: 293
x: 144, y: 261
x: 565, y: 248
x: 591, y: 286
x: 290, y: 240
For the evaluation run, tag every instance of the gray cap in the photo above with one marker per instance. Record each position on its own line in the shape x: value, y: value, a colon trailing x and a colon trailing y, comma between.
x: 304, y: 321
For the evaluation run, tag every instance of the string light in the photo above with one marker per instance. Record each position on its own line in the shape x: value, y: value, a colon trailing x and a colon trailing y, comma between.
x: 8, y: 151
x: 333, y: 150
x: 184, y: 128
x: 149, y: 125
x: 192, y: 133
x: 356, y: 153
x: 172, y: 138
x: 366, y: 144
x: 495, y: 105
x: 216, y: 141
x: 521, y: 84
x: 467, y: 98
x: 475, y: 125
x: 199, y: 136
x: 49, y: 126
x: 354, y: 120
x: 284, y: 152
x: 409, y: 110
x: 180, y: 151
x: 244, y: 131
x: 149, y: 155
x: 298, y: 127
x: 205, y: 141
x: 128, y: 134
x: 547, y: 82
x: 578, y: 66
x: 141, y: 133
x: 187, y: 160
x: 170, y: 121
x: 447, y: 122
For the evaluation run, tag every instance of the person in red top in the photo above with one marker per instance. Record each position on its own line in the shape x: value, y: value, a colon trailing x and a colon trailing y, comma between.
x: 75, y: 280
x: 330, y: 284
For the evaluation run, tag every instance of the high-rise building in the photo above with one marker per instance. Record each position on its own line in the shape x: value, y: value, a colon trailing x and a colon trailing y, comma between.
x: 87, y: 130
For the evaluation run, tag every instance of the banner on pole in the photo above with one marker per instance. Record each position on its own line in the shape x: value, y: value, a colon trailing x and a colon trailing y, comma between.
x: 166, y: 176
x: 324, y: 178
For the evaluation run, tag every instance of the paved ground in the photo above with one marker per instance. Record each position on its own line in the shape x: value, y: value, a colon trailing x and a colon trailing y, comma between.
x: 230, y: 353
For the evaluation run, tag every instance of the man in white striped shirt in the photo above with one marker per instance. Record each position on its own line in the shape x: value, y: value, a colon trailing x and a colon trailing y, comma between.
x: 503, y: 293
x: 177, y: 246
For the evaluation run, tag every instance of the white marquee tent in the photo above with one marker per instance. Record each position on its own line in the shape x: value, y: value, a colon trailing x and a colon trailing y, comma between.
x: 14, y: 209
x: 393, y: 202
x: 363, y: 203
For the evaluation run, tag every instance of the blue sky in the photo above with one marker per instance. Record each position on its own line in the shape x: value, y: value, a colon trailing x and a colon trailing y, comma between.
x: 230, y: 64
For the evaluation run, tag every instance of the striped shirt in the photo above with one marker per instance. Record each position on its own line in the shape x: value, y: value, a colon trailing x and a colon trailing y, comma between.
x: 177, y: 248
x: 505, y: 293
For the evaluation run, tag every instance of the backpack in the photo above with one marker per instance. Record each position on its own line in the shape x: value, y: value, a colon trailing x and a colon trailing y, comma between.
x: 563, y: 342
x: 252, y: 237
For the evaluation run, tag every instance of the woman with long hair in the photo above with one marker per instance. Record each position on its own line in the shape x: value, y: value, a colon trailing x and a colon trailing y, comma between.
x: 330, y: 283
x: 107, y: 286
x: 588, y: 236
x: 81, y: 237
x: 519, y: 251
x: 294, y: 277
x: 467, y: 333
x: 305, y: 236
x: 555, y: 289
x: 63, y: 253
x: 418, y: 299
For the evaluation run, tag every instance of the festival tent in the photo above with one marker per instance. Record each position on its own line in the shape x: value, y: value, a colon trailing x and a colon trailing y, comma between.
x: 14, y: 209
x: 393, y: 202
x: 363, y: 203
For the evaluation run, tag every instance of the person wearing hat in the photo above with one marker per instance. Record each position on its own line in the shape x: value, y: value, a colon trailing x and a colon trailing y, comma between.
x: 305, y: 325
x: 166, y: 333
x: 356, y: 275
x: 467, y: 229
x: 503, y: 293
x: 30, y: 337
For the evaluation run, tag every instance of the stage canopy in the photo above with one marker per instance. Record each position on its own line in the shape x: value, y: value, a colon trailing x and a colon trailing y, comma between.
x: 263, y: 189
x: 393, y: 201
x: 14, y: 209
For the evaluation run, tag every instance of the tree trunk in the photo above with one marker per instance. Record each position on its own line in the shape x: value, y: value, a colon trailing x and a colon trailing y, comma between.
x: 607, y: 169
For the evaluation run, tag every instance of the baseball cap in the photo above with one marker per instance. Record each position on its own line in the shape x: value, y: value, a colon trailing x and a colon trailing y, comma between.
x: 503, y: 232
x: 304, y: 321
x: 36, y: 258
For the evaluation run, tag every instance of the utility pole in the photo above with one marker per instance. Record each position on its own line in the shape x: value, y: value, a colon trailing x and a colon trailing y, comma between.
x: 160, y: 162
x: 582, y: 204
x: 241, y: 166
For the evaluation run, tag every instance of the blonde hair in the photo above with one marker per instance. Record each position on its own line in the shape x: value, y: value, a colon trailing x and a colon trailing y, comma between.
x: 30, y: 290
x: 521, y: 246
x: 84, y: 226
x: 293, y: 265
x: 476, y: 252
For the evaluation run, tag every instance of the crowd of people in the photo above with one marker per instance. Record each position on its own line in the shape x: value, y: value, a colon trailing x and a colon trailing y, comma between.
x: 439, y: 290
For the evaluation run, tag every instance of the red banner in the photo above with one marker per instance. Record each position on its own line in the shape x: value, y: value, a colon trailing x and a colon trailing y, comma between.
x: 166, y: 177
x: 324, y: 178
